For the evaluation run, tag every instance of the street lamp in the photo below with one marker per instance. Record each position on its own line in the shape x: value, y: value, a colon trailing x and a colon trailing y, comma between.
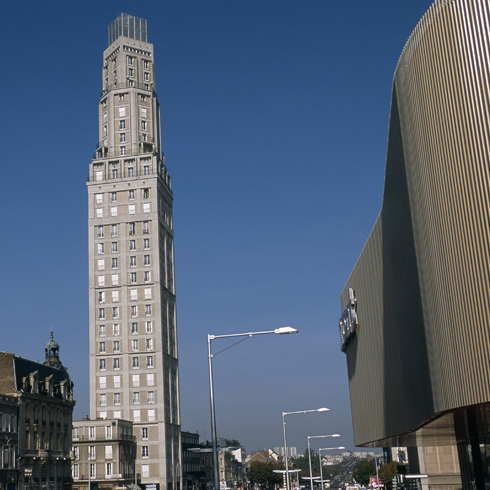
x: 320, y: 457
x: 309, y: 452
x: 247, y: 335
x: 284, y: 436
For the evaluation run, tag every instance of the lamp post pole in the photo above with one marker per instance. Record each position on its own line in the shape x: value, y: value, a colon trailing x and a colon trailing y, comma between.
x: 320, y: 457
x: 324, y: 409
x: 309, y: 453
x: 279, y: 331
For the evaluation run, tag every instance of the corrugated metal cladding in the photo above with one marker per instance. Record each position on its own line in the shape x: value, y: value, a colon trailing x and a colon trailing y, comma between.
x: 423, y: 279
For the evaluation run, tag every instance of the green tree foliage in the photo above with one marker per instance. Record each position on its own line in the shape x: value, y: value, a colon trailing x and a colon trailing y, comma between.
x: 302, y: 462
x: 363, y: 470
x: 387, y: 472
x: 263, y: 474
x: 232, y: 443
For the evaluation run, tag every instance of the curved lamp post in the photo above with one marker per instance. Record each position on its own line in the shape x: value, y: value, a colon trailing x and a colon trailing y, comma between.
x: 320, y: 457
x: 324, y: 409
x: 247, y: 335
x: 309, y: 452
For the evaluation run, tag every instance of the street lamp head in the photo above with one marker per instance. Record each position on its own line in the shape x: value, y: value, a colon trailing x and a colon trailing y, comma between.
x: 324, y: 409
x: 335, y: 435
x: 285, y: 330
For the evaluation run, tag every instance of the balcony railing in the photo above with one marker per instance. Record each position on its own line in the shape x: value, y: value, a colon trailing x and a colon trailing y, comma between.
x: 148, y: 86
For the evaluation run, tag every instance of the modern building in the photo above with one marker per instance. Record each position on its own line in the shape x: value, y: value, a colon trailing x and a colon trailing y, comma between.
x: 104, y: 454
x: 133, y: 337
x: 416, y: 328
x: 36, y: 437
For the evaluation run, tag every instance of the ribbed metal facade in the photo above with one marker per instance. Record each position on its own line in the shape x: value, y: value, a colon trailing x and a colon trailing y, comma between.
x: 422, y: 280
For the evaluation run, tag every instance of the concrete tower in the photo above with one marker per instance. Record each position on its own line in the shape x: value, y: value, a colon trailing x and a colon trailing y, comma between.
x: 133, y: 340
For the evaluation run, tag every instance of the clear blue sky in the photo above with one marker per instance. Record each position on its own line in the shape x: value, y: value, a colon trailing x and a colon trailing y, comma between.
x: 275, y: 117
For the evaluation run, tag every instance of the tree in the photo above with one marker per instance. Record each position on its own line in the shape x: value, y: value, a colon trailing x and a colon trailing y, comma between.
x: 263, y: 474
x: 232, y: 443
x: 387, y: 472
x: 363, y: 470
x: 303, y: 463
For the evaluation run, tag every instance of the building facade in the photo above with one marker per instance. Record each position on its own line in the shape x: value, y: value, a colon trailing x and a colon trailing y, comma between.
x: 133, y: 338
x: 104, y: 454
x: 193, y: 474
x: 415, y: 328
x: 9, y: 442
x: 38, y: 450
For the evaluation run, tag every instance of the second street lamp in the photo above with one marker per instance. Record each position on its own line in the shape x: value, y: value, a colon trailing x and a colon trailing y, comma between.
x: 309, y: 452
x: 324, y: 409
x: 246, y: 335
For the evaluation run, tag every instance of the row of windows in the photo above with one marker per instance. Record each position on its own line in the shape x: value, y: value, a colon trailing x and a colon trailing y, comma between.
x: 115, y: 246
x: 131, y: 229
x: 92, y: 434
x: 145, y: 471
x: 135, y: 363
x: 99, y: 212
x: 116, y: 381
x: 116, y: 329
x: 116, y: 346
x: 99, y: 198
x: 116, y: 311
x: 133, y: 262
x: 133, y: 295
x: 136, y: 398
x: 108, y: 471
x: 146, y: 63
x: 115, y: 172
x: 133, y: 278
x: 116, y: 414
x: 122, y: 112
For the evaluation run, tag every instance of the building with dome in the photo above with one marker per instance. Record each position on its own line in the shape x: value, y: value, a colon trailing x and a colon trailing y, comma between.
x: 37, y: 440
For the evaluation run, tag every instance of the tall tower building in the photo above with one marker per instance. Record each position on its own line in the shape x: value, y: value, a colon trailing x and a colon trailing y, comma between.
x: 133, y: 339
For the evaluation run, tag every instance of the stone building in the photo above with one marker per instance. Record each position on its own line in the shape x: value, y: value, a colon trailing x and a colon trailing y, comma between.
x: 132, y: 308
x: 9, y: 442
x: 104, y: 454
x: 44, y: 397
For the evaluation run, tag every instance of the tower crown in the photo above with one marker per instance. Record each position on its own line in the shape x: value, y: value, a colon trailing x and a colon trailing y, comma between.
x: 128, y: 26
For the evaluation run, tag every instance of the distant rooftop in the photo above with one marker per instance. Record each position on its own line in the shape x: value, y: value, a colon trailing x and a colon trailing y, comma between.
x: 128, y: 26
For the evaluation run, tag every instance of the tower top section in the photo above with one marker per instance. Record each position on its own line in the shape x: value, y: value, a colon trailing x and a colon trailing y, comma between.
x: 128, y: 26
